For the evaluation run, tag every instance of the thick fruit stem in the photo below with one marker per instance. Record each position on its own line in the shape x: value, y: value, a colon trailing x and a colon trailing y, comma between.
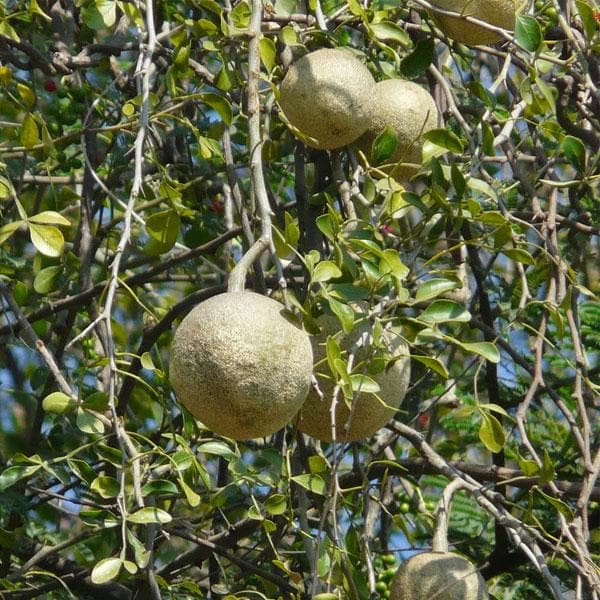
x: 442, y: 516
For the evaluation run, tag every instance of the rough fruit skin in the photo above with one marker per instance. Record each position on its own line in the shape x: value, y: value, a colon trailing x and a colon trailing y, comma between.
x: 439, y: 575
x: 369, y: 414
x: 411, y: 111
x: 240, y: 366
x: 501, y: 13
x: 327, y: 95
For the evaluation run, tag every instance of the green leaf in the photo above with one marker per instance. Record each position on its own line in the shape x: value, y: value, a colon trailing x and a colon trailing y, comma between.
x: 276, y: 504
x: 49, y: 217
x: 288, y: 36
x: 285, y: 7
x: 221, y: 105
x: 384, y: 146
x: 391, y: 263
x: 150, y: 514
x: 388, y: 31
x: 324, y: 271
x: 343, y: 312
x: 160, y: 486
x: 445, y: 311
x: 563, y: 508
x: 15, y: 473
x: 163, y: 228
x: 46, y: 279
x: 7, y: 30
x: 30, y: 135
x: 528, y: 32
x: 6, y: 189
x: 333, y: 352
x: 445, y: 139
x: 364, y: 384
x: 519, y: 255
x: 89, y: 423
x: 106, y: 570
x: 433, y: 288
x: 47, y: 239
x: 574, y: 152
x: 146, y: 361
x: 317, y: 464
x: 547, y: 472
x: 418, y: 61
x: 432, y: 363
x: 27, y: 95
x: 106, y: 487
x: 96, y: 401
x: 58, y: 402
x: 100, y: 14
x: 529, y: 467
x: 314, y: 483
x: 130, y: 567
x: 586, y: 12
x: 493, y: 218
x: 193, y: 499
x: 240, y: 15
x: 491, y: 433
x: 325, y: 226
x: 34, y: 7
x: 217, y: 448
x: 268, y: 53
x: 485, y: 349
x: 223, y: 80
x: 7, y: 230
x: 458, y: 180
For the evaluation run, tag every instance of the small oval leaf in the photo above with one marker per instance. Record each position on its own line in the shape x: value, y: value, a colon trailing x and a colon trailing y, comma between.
x: 106, y: 570
x: 150, y: 514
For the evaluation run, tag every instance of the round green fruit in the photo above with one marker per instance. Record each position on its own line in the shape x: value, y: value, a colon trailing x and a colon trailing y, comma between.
x: 368, y: 414
x: 240, y: 365
x: 500, y: 13
x: 327, y: 96
x: 410, y: 111
x: 440, y: 575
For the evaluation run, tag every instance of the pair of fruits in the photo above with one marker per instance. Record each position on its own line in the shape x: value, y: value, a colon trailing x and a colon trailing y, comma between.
x: 244, y: 368
x: 331, y: 98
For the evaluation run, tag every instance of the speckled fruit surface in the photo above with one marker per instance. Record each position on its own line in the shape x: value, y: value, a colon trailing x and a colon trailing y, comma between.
x: 327, y: 96
x: 500, y: 13
x: 410, y: 110
x: 240, y: 366
x: 368, y: 414
x: 439, y: 575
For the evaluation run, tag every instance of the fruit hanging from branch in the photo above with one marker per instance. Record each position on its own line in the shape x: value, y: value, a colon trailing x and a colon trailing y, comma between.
x: 359, y: 417
x: 327, y: 95
x: 410, y: 111
x: 240, y: 365
x: 439, y: 574
x: 499, y: 13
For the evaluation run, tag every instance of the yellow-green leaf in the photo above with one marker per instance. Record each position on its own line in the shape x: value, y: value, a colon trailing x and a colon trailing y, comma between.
x: 150, y: 514
x: 49, y: 217
x: 47, y: 239
x: 106, y: 570
x: 491, y: 433
x: 7, y: 30
x: 268, y: 53
x: 30, y: 134
x: 27, y: 95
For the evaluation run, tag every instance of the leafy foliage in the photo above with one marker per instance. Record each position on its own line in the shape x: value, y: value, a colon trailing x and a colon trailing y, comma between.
x: 128, y: 194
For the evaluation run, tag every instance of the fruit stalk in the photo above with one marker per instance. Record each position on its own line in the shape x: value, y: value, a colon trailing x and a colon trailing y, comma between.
x: 442, y: 516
